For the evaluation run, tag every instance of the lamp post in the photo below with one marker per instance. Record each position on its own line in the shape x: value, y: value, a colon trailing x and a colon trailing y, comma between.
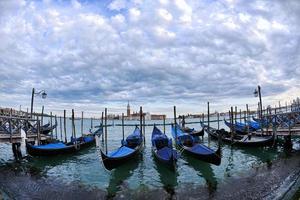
x: 43, y: 95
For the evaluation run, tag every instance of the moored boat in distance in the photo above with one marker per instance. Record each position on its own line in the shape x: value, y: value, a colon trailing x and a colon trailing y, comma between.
x: 188, y: 145
x: 45, y: 129
x: 192, y: 131
x: 238, y: 140
x: 254, y: 125
x: 162, y: 148
x: 240, y: 128
x: 130, y: 147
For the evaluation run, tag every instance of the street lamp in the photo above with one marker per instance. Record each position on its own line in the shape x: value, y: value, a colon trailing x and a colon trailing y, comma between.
x: 41, y: 93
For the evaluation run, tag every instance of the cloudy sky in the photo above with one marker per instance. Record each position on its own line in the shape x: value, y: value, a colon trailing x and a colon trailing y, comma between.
x: 89, y: 55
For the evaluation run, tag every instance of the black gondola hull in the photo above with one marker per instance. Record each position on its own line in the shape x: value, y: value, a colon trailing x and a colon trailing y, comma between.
x: 244, y: 143
x: 111, y: 163
x: 214, y: 158
x: 171, y: 163
x: 69, y: 149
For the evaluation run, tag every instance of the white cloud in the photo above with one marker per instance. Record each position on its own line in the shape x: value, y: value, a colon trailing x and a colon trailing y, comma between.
x: 163, y: 52
x: 186, y: 16
x: 164, y: 34
x: 164, y: 14
x: 76, y: 4
x: 118, y: 19
x: 164, y: 2
x: 134, y: 14
x: 117, y: 5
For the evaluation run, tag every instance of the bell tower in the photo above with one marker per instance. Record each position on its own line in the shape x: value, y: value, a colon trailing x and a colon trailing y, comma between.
x: 128, y: 110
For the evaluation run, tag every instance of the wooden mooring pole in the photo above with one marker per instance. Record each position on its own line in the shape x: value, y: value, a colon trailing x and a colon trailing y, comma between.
x: 141, y: 123
x: 38, y: 131
x: 218, y: 120
x: 164, y: 122
x: 235, y: 114
x: 208, y: 122
x: 232, y: 122
x: 144, y: 128
x: 175, y: 124
x: 60, y: 126
x: 51, y: 125
x: 102, y: 126
x: 247, y: 110
x: 65, y: 127
x: 141, y: 118
x: 42, y: 117
x: 73, y: 125
x: 10, y: 124
x: 55, y: 127
x: 105, y: 129
x: 81, y: 123
x: 123, y: 132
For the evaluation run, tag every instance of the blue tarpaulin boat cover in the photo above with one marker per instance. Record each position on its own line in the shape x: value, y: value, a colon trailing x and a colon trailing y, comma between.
x: 133, y: 139
x: 136, y: 134
x: 88, y: 139
x: 51, y: 146
x: 201, y: 149
x: 254, y: 125
x: 178, y: 130
x: 165, y: 153
x: 181, y: 136
x: 121, y: 152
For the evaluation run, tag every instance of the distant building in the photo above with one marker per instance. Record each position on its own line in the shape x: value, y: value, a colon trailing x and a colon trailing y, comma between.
x: 136, y: 115
x: 157, y: 117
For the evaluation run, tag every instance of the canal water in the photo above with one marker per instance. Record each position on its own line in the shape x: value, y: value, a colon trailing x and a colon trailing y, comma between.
x: 86, y: 166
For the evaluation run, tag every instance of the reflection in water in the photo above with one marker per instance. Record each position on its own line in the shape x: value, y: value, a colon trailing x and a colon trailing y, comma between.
x: 48, y: 161
x: 230, y: 164
x: 120, y: 174
x: 262, y: 154
x: 205, y: 170
x: 167, y: 177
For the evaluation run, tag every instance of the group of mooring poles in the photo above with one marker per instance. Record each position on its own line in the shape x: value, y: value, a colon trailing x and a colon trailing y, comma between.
x: 233, y: 119
x: 62, y: 126
x: 202, y: 120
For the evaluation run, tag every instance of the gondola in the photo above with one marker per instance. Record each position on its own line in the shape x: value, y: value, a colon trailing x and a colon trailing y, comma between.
x: 130, y: 147
x: 238, y: 140
x: 162, y: 148
x: 254, y: 125
x: 58, y: 147
x: 45, y: 129
x: 240, y: 128
x: 188, y: 145
x: 53, y: 149
x: 263, y: 122
x: 192, y: 131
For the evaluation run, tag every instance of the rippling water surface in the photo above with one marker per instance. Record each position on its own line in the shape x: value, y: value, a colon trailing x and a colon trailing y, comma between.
x: 86, y: 166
